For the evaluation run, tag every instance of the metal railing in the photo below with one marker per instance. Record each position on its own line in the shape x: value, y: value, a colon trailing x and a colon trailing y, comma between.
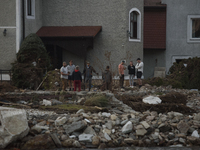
x: 5, y: 75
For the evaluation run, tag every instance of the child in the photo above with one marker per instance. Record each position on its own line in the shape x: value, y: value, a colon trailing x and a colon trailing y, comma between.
x: 77, y: 78
x: 107, y: 79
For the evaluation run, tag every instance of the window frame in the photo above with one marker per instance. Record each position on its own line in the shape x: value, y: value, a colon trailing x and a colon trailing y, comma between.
x: 190, y: 39
x: 32, y: 15
x: 138, y: 39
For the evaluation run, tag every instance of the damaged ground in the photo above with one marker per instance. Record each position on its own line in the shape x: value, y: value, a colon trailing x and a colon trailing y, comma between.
x: 100, y: 119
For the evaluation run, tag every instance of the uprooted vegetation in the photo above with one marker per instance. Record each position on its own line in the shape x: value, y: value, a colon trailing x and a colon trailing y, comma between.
x: 97, y: 100
x: 185, y: 75
x: 32, y: 62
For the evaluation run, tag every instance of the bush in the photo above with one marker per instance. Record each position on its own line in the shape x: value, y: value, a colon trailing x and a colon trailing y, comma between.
x: 25, y: 73
x: 97, y: 100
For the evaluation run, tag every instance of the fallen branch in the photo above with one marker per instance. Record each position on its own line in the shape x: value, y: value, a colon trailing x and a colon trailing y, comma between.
x: 41, y: 83
x: 14, y: 104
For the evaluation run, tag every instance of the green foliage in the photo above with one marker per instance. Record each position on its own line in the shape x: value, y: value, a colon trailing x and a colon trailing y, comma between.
x: 181, y: 76
x: 97, y: 100
x: 25, y: 74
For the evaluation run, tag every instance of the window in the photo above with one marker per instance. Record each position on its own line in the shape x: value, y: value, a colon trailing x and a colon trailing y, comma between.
x: 135, y: 25
x: 193, y: 28
x: 30, y: 9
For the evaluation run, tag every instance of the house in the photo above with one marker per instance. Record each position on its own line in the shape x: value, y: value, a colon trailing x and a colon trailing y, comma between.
x: 103, y: 32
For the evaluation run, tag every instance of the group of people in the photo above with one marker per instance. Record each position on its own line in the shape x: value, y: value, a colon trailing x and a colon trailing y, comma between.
x: 71, y: 75
x: 138, y: 69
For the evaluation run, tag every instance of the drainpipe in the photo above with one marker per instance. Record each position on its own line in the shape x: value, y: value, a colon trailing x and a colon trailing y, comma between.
x: 23, y: 19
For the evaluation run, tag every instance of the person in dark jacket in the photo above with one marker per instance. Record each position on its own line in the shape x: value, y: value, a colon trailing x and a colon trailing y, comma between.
x: 131, y: 72
x: 88, y: 74
x: 77, y: 78
x: 107, y: 79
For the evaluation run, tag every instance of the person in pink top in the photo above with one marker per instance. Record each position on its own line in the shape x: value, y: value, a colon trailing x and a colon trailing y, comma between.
x: 121, y: 69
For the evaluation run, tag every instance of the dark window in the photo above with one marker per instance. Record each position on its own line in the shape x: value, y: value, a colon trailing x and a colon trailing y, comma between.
x: 196, y: 28
x: 29, y: 7
x: 133, y: 24
x: 178, y: 60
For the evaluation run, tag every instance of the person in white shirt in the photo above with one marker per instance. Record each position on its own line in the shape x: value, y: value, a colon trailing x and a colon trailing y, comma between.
x: 64, y: 75
x: 139, y: 67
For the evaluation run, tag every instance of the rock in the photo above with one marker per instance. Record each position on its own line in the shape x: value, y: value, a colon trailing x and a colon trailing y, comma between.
x: 80, y: 111
x: 104, y: 114
x: 182, y: 140
x: 85, y: 137
x: 60, y: 121
x: 130, y: 141
x: 72, y: 136
x: 14, y: 125
x: 76, y: 144
x: 124, y: 122
x: 192, y: 139
x: 109, y: 125
x: 89, y: 130
x: 141, y: 132
x: 195, y: 134
x: 64, y: 137
x: 56, y: 102
x: 150, y: 118
x: 81, y: 101
x: 75, y: 126
x: 177, y: 114
x: 107, y: 137
x: 95, y: 140
x: 127, y: 128
x: 38, y: 129
x: 85, y: 115
x: 152, y: 100
x: 47, y: 103
x: 145, y: 124
x: 197, y: 117
x: 113, y: 117
x: 56, y: 140
x: 43, y: 141
x: 183, y: 127
x: 107, y: 131
x: 68, y: 143
x: 102, y: 146
x: 155, y: 135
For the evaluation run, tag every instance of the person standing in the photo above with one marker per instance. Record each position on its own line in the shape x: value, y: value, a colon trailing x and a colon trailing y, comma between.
x: 107, y: 79
x: 121, y: 69
x: 77, y: 78
x: 88, y: 74
x: 64, y: 75
x: 139, y: 66
x: 131, y: 72
x: 71, y: 67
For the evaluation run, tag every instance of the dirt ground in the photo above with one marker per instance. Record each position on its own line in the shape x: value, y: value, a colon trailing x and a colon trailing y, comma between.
x: 170, y: 102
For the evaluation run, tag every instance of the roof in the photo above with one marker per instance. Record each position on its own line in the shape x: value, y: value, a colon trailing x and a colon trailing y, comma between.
x: 153, y: 3
x: 69, y: 31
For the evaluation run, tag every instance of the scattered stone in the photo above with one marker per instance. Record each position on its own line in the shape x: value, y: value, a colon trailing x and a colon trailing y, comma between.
x: 47, y: 103
x: 141, y: 132
x: 104, y: 114
x: 14, y: 125
x: 197, y: 117
x: 80, y: 111
x: 145, y: 124
x: 183, y: 127
x: 56, y: 102
x: 95, y: 140
x: 68, y: 143
x: 107, y: 137
x: 75, y: 126
x: 113, y: 117
x: 64, y: 137
x: 85, y: 137
x: 195, y: 134
x: 76, y: 144
x: 60, y: 121
x: 127, y: 128
x: 89, y: 130
x: 56, y: 140
x: 124, y: 122
x: 38, y: 129
x: 109, y: 125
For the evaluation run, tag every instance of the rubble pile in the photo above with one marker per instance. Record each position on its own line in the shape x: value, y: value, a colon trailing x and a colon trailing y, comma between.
x: 6, y: 87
